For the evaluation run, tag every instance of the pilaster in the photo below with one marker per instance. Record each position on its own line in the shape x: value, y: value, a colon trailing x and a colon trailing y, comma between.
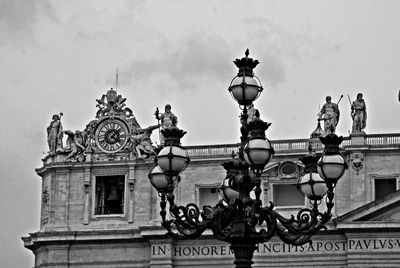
x: 87, y: 189
x: 131, y: 187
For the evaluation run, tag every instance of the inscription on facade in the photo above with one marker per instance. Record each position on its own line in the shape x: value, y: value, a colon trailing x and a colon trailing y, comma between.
x: 277, y: 248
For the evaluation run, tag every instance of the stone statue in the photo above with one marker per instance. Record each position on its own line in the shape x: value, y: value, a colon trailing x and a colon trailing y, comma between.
x: 142, y: 143
x: 330, y: 115
x: 75, y: 144
x: 359, y: 114
x: 253, y: 114
x: 168, y: 119
x: 88, y: 135
x: 55, y: 134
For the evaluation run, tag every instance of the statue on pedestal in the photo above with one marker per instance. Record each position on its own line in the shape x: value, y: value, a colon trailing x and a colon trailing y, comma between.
x: 253, y: 114
x: 55, y: 134
x: 359, y: 114
x: 330, y: 114
x: 168, y: 119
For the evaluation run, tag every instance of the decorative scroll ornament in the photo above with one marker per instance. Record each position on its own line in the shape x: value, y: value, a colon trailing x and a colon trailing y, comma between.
x: 112, y: 104
x: 236, y: 219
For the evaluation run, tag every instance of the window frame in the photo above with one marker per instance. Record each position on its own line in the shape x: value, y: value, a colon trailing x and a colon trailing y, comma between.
x: 124, y: 202
x: 290, y: 182
x: 375, y: 177
x: 206, y: 186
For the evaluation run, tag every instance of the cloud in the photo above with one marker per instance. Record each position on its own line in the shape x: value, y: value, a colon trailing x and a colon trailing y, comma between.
x: 18, y: 20
x: 283, y: 49
x: 195, y: 60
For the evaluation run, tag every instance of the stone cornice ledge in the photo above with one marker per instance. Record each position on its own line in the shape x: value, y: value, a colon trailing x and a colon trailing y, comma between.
x: 367, y: 226
x: 157, y: 231
x: 62, y: 237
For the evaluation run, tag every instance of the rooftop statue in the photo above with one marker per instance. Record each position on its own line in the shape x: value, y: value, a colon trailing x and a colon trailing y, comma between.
x: 88, y: 135
x: 75, y: 146
x: 253, y: 114
x: 330, y: 114
x: 168, y: 120
x: 143, y: 146
x: 55, y: 134
x: 358, y: 114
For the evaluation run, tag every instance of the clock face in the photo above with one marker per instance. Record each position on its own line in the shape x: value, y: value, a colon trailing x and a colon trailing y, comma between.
x: 111, y: 135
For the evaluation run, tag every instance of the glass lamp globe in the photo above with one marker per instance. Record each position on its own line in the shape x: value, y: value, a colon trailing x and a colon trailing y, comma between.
x: 160, y: 181
x: 331, y: 167
x: 172, y: 160
x: 245, y: 89
x: 257, y: 153
x: 312, y: 186
x: 226, y: 192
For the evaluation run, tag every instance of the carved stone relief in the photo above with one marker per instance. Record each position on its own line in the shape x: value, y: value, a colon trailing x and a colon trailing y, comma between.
x: 45, y: 205
x: 357, y: 162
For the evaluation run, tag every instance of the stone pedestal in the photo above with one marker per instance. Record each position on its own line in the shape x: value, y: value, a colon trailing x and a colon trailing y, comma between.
x: 357, y: 139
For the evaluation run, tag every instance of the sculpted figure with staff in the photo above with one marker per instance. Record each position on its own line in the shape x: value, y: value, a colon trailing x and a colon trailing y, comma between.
x: 330, y: 114
x: 358, y: 114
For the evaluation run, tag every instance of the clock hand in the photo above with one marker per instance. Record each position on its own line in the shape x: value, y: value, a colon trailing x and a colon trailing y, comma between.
x: 115, y: 135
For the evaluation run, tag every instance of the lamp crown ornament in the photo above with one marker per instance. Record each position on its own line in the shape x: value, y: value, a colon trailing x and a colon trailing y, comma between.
x: 246, y: 65
x: 173, y: 135
x: 331, y: 142
x: 310, y: 160
x: 257, y: 128
x: 235, y: 165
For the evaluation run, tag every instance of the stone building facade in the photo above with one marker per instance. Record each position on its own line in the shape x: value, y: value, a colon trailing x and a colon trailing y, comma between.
x: 100, y: 210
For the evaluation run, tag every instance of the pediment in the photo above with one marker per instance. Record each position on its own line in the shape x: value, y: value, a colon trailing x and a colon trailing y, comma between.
x: 382, y: 210
x: 284, y: 169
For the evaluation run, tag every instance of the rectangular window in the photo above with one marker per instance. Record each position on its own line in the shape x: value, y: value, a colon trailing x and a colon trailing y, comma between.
x: 287, y: 195
x: 109, y: 195
x: 208, y: 196
x: 384, y: 187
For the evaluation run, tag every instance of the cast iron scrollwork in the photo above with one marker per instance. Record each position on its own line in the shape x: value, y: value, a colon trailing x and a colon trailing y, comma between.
x: 189, y: 221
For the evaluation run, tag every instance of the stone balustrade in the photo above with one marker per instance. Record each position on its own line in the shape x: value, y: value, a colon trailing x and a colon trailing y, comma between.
x: 293, y: 145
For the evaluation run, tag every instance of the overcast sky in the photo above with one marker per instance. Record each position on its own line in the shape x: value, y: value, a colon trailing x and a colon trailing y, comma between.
x: 59, y: 56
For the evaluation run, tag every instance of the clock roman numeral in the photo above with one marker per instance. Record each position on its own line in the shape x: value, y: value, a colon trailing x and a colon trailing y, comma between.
x: 103, y: 143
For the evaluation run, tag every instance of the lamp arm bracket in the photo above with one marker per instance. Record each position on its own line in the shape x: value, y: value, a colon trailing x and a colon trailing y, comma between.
x: 298, y: 230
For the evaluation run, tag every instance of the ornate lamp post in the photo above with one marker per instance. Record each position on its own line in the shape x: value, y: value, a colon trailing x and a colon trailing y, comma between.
x: 235, y: 217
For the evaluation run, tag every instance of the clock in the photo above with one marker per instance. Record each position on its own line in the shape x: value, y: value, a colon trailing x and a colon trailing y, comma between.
x: 111, y: 135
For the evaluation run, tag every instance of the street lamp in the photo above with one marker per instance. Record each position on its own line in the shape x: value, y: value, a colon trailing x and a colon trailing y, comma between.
x: 161, y: 182
x: 234, y: 218
x: 245, y: 86
x: 311, y: 184
x: 332, y: 164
